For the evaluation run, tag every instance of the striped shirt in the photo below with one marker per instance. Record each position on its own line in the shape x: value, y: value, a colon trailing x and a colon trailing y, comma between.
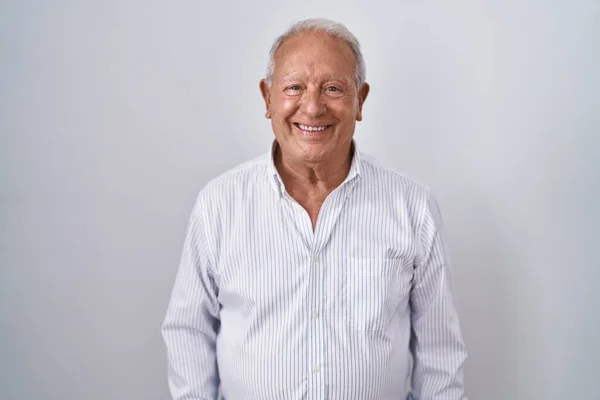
x: 264, y: 307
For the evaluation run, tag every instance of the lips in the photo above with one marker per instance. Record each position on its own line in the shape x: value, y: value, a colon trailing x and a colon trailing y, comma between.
x: 312, y: 130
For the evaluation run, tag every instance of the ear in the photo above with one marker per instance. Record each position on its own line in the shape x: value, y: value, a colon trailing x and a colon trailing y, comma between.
x: 265, y: 90
x: 363, y: 92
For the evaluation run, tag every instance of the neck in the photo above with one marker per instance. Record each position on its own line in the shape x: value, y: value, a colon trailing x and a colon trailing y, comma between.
x: 322, y: 177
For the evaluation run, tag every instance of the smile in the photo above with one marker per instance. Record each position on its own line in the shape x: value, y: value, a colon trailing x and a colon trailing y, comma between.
x: 311, y: 129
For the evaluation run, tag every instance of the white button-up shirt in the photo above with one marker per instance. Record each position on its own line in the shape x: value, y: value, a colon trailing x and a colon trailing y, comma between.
x: 265, y: 307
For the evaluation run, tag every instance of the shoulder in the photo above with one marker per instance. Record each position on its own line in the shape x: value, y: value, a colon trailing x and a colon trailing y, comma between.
x: 408, y: 194
x: 234, y: 181
x: 390, y: 187
x: 392, y: 180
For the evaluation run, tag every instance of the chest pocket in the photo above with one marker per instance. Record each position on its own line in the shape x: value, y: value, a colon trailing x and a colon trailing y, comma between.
x: 375, y: 287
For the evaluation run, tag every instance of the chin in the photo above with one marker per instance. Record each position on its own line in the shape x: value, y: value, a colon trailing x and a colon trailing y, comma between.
x: 314, y: 154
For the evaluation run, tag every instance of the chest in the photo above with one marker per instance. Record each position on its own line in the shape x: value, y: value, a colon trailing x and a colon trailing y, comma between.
x: 272, y: 258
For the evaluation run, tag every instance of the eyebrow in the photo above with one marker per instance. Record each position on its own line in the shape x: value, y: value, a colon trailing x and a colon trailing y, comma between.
x: 327, y: 77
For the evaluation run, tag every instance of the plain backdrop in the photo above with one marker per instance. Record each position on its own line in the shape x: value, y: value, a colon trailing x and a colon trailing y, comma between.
x: 114, y: 114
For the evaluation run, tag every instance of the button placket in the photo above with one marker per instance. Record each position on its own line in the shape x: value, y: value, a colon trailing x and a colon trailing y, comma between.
x: 316, y: 328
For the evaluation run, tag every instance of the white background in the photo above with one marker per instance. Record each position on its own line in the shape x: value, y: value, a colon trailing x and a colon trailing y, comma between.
x: 113, y: 114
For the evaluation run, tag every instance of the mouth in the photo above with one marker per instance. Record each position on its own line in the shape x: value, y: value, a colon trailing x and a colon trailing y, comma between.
x: 312, y: 130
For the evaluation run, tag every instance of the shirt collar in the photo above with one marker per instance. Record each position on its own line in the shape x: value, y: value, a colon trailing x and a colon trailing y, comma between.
x: 277, y: 182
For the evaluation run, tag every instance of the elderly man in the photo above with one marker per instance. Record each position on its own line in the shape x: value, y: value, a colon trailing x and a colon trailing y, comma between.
x: 314, y: 272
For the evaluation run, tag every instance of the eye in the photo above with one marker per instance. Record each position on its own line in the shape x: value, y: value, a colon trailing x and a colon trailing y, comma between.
x: 334, y: 91
x: 293, y: 90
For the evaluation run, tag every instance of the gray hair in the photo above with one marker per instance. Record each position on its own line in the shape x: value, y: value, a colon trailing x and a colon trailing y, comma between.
x: 331, y: 28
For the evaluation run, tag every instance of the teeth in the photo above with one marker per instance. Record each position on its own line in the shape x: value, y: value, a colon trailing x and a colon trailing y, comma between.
x: 312, y: 128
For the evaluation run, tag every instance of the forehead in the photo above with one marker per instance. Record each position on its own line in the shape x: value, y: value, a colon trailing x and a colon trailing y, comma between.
x: 315, y: 54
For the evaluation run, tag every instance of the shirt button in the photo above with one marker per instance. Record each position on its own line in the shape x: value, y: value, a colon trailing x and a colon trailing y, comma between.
x: 316, y: 260
x: 315, y: 315
x: 316, y: 369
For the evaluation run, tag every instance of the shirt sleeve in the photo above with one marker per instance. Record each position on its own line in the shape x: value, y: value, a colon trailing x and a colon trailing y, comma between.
x: 191, y: 322
x: 437, y: 346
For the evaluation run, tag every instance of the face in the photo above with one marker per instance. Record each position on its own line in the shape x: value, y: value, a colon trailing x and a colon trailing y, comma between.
x: 313, y: 101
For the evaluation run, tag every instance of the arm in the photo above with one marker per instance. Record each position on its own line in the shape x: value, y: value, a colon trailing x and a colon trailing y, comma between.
x: 192, y: 321
x: 436, y: 342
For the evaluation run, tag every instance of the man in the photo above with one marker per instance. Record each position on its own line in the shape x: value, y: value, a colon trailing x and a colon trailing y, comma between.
x: 314, y: 272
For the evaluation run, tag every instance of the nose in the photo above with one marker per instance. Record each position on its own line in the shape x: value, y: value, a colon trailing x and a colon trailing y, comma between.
x: 312, y: 103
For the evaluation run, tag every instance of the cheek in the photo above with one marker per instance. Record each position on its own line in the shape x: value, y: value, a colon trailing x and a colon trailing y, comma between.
x: 284, y: 107
x: 344, y: 111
